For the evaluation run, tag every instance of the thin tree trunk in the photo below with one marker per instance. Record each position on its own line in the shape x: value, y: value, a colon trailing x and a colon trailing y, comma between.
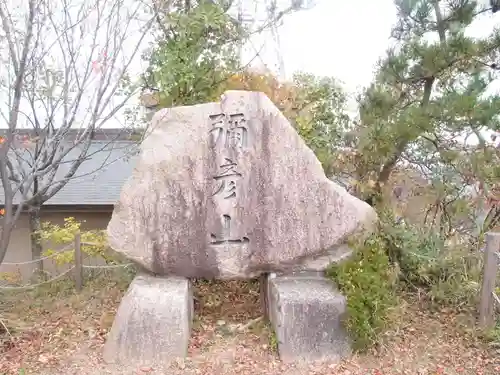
x: 4, y: 240
x: 35, y: 227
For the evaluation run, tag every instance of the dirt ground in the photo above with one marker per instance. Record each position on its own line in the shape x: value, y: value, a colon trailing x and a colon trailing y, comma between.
x: 56, y: 332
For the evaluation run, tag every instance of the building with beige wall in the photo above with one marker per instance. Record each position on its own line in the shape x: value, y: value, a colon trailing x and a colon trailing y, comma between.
x: 89, y: 197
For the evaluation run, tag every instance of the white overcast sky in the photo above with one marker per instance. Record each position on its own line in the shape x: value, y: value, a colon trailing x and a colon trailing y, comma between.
x: 338, y: 38
x: 346, y: 38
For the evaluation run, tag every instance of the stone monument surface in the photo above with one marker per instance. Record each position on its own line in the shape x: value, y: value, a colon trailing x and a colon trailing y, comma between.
x: 153, y: 323
x: 230, y: 190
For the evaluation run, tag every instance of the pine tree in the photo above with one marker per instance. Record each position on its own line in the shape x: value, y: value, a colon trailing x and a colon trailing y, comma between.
x: 431, y: 105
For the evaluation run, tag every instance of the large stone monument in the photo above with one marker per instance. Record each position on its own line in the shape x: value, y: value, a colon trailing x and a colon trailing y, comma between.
x: 229, y: 190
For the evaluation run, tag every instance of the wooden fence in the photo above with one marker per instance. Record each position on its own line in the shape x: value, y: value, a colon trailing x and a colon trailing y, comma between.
x: 79, y: 266
x: 490, y: 300
x: 76, y: 269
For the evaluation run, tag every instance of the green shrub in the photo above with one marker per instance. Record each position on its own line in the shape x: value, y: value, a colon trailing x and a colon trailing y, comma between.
x: 93, y: 242
x: 367, y: 280
x: 448, y: 275
x: 400, y: 259
x: 492, y: 336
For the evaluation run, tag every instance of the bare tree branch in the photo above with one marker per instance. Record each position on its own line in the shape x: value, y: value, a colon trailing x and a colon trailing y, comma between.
x: 71, y: 62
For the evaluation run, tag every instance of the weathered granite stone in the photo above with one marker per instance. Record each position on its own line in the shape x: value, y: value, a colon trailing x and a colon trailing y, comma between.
x: 153, y: 323
x: 307, y: 315
x: 230, y: 190
x: 320, y: 263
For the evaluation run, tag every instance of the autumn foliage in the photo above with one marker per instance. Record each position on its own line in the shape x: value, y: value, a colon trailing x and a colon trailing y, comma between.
x: 283, y: 94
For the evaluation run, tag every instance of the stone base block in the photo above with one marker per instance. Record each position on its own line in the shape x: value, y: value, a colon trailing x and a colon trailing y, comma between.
x: 153, y: 323
x: 306, y: 312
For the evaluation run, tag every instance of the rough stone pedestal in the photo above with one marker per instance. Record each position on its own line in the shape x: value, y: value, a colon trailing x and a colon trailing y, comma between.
x: 306, y: 312
x: 153, y: 323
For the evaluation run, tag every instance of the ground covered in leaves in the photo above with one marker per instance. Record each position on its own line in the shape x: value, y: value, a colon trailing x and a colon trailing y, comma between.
x: 56, y: 331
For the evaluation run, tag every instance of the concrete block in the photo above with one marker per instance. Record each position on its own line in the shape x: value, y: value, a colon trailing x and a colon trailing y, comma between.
x: 153, y: 322
x: 307, y: 312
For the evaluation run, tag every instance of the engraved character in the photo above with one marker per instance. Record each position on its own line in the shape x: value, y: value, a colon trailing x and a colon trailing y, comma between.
x: 227, y: 179
x: 218, y: 128
x: 237, y: 133
x: 233, y: 134
x: 226, y: 233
